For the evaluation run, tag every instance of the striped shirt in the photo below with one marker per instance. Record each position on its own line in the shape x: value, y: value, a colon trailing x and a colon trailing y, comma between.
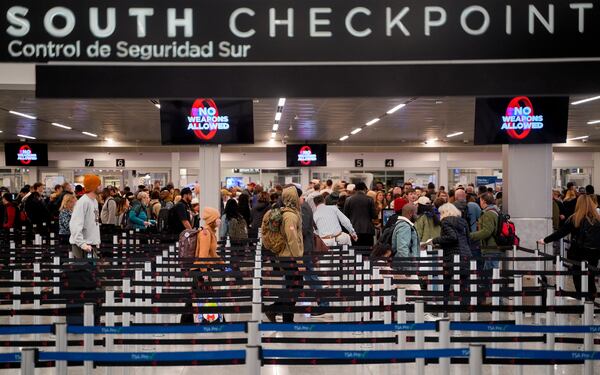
x: 328, y: 219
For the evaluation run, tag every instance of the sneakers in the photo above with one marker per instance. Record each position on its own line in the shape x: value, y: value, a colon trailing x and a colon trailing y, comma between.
x: 271, y: 316
x: 430, y: 317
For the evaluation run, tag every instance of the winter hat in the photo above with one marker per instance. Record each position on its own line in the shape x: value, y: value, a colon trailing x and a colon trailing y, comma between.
x: 209, y: 215
x: 91, y: 182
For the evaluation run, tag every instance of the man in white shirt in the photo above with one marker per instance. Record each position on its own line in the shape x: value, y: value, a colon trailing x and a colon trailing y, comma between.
x: 328, y: 219
x: 85, y: 221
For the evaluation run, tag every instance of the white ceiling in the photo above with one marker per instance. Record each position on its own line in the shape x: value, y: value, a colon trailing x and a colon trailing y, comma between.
x: 324, y: 120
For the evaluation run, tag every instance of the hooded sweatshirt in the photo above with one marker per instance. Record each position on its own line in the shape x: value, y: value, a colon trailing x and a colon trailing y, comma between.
x: 292, y: 224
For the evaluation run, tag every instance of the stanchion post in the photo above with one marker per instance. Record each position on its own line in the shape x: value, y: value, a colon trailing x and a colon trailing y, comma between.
x: 420, y: 336
x: 367, y: 277
x: 538, y: 299
x: 376, y: 277
x: 476, y: 359
x: 560, y: 286
x: 456, y: 284
x: 550, y: 337
x: 584, y: 281
x: 60, y: 330
x: 110, y: 322
x: 588, y: 339
x: 401, y: 301
x: 28, y: 356
x: 88, y: 338
x: 473, y: 288
x: 444, y: 343
x: 518, y: 288
x: 16, y: 301
x: 148, y: 290
x: 358, y: 288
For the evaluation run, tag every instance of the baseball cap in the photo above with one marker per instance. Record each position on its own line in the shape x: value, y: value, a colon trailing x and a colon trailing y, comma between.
x: 424, y: 201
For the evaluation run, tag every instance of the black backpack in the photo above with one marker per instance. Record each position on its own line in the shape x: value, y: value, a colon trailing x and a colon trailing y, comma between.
x: 386, y: 236
x: 163, y: 220
x: 589, y: 236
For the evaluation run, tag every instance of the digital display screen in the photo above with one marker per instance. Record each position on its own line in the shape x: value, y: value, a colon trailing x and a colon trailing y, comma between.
x: 314, y: 155
x: 231, y: 182
x: 206, y: 121
x: 521, y: 120
x: 386, y: 213
x: 26, y: 154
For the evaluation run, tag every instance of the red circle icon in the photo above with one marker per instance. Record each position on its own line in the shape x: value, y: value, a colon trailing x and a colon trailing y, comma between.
x: 205, y: 108
x: 519, y: 102
x: 305, y: 150
x: 25, y: 150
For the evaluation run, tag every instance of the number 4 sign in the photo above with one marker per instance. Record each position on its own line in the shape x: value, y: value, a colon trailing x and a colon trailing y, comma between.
x: 389, y: 163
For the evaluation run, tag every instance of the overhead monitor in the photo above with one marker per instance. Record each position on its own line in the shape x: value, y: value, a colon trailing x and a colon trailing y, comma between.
x: 26, y: 154
x: 206, y: 121
x: 521, y: 120
x: 306, y: 155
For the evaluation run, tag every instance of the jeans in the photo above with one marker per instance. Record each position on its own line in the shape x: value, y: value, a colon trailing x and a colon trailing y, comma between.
x: 289, y: 268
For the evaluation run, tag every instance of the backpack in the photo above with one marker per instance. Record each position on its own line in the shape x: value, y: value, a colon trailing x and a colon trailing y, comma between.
x: 506, y: 234
x: 188, y: 243
x: 151, y: 209
x: 163, y: 220
x: 386, y: 237
x: 104, y: 213
x: 238, y: 229
x: 273, y: 237
x: 589, y: 236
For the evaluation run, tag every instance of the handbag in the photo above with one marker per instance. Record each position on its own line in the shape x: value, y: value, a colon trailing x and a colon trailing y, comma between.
x: 319, y: 245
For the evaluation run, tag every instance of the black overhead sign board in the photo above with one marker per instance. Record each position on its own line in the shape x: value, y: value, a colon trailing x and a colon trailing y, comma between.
x: 317, y: 31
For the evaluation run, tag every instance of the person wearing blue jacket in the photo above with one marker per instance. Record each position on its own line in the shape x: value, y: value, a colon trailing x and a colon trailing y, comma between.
x: 405, y: 240
x: 138, y: 214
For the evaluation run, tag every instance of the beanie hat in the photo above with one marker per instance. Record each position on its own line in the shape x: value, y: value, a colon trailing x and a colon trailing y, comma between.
x: 209, y: 215
x: 399, y: 203
x: 91, y: 182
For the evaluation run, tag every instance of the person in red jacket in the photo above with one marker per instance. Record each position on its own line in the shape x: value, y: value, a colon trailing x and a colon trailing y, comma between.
x: 10, y: 212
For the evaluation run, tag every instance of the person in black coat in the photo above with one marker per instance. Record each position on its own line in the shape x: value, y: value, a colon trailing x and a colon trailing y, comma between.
x: 36, y: 210
x: 258, y: 213
x: 585, y: 210
x: 454, y: 240
x: 360, y: 209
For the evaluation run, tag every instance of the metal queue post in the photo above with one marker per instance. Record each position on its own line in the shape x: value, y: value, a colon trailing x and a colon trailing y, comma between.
x: 518, y: 288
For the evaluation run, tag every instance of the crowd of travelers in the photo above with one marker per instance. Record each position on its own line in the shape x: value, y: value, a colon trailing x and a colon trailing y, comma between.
x: 400, y: 221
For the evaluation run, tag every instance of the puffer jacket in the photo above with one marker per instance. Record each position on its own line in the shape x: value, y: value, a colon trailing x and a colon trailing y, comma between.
x: 454, y: 237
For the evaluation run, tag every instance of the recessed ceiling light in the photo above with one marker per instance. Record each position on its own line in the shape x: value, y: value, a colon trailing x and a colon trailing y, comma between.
x: 90, y: 134
x: 439, y: 102
x: 278, y: 116
x: 25, y: 136
x: 110, y: 141
x: 23, y: 115
x: 396, y: 108
x: 275, y: 127
x: 61, y: 126
x: 273, y: 135
x: 593, y: 122
x: 578, y: 138
x: 356, y: 131
x: 344, y: 138
x: 586, y: 100
x: 281, y: 102
x: 455, y: 134
x: 430, y: 141
x: 372, y: 121
x: 157, y: 105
